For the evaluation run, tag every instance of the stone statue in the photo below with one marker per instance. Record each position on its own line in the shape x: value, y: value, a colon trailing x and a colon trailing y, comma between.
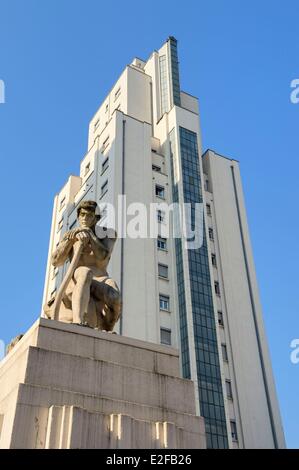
x: 87, y: 295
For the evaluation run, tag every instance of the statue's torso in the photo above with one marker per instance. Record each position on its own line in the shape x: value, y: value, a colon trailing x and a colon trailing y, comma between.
x: 88, y: 259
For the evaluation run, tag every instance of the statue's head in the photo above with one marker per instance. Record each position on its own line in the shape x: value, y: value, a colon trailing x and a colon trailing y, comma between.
x: 87, y: 215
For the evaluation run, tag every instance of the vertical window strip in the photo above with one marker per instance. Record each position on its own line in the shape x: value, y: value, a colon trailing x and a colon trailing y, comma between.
x: 185, y: 357
x: 175, y: 72
x: 207, y: 354
x: 163, y: 84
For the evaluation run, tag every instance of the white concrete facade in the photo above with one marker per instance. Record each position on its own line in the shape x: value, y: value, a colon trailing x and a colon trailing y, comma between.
x: 134, y: 144
x: 253, y: 404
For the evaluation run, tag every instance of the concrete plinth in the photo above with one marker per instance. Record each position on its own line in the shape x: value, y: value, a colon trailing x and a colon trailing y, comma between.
x: 66, y: 386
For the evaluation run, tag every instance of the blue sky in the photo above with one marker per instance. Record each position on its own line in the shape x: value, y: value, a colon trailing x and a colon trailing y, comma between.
x: 59, y: 59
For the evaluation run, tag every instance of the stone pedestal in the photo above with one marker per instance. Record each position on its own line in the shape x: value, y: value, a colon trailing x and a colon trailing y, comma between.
x: 66, y: 386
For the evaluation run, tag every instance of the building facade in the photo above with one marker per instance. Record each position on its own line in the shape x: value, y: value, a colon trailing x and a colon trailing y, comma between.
x: 144, y: 143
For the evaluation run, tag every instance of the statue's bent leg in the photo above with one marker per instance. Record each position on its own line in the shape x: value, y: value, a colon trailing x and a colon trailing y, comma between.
x: 108, y: 299
x: 81, y: 294
x: 91, y: 317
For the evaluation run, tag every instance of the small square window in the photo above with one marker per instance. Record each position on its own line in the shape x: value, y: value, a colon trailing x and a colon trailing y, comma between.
x: 105, y: 164
x: 96, y: 124
x: 117, y: 94
x: 156, y: 168
x: 53, y: 293
x: 164, y: 302
x: 160, y: 215
x: 62, y: 203
x: 55, y: 272
x: 220, y: 318
x: 228, y: 386
x: 160, y: 191
x: 87, y: 169
x: 104, y: 188
x: 217, y: 288
x: 105, y: 144
x: 233, y: 427
x: 165, y: 334
x: 224, y: 352
x: 214, y: 262
x: 163, y: 270
x: 211, y: 233
x: 60, y: 225
x: 161, y: 243
x: 209, y: 209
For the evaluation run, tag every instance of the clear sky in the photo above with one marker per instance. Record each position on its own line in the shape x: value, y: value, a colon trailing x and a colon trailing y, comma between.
x: 59, y: 59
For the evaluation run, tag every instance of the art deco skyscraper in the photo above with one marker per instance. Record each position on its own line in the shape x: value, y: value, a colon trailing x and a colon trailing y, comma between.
x: 145, y: 143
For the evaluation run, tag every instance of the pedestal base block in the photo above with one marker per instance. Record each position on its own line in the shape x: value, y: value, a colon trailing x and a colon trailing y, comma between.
x: 68, y: 387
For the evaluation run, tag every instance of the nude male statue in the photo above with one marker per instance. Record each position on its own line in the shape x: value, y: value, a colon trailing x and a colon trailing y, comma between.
x: 91, y: 295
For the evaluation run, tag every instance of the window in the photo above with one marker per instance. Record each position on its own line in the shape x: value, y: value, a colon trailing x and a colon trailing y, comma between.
x: 164, y: 302
x: 160, y: 191
x: 160, y: 215
x: 217, y: 288
x: 209, y: 209
x: 87, y: 169
x: 62, y: 203
x: 105, y: 144
x: 105, y: 164
x: 73, y: 225
x: 214, y: 263
x: 104, y: 188
x: 96, y: 124
x: 161, y: 243
x: 211, y: 234
x: 163, y: 270
x: 220, y: 318
x: 224, y: 352
x: 228, y: 386
x: 207, y: 185
x: 55, y: 272
x: 233, y: 428
x: 117, y: 94
x: 163, y: 84
x: 165, y: 334
x: 211, y: 390
x: 52, y: 293
x: 60, y: 225
x: 107, y: 107
x: 156, y: 168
